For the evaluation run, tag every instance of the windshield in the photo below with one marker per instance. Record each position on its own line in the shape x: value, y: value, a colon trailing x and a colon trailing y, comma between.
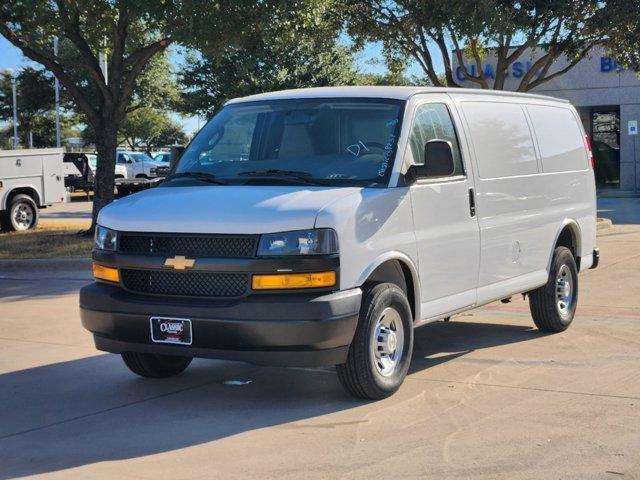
x: 346, y: 141
x: 93, y: 160
x: 140, y: 157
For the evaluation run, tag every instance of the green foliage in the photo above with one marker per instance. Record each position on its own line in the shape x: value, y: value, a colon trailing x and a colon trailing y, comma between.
x: 426, y: 30
x: 624, y: 34
x: 298, y: 47
x: 36, y: 104
x: 150, y: 129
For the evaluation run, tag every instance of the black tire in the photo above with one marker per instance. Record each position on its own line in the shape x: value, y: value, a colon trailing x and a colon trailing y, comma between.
x: 155, y: 366
x: 27, y: 205
x: 359, y: 375
x: 544, y: 301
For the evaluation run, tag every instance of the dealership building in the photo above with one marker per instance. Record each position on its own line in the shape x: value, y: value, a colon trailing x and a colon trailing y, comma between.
x: 607, y: 98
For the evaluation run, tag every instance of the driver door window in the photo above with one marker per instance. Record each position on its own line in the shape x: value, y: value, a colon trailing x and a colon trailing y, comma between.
x: 433, y: 122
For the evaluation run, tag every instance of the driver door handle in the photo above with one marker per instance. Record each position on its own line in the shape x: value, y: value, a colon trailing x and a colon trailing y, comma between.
x: 472, y: 202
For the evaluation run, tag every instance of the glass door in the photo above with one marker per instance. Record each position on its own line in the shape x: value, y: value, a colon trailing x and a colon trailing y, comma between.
x: 605, y: 141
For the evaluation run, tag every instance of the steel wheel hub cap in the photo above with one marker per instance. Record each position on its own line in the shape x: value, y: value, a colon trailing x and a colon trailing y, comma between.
x: 23, y: 217
x: 564, y: 290
x: 387, y: 342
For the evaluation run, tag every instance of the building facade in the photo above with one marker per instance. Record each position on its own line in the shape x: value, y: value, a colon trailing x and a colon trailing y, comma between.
x: 608, y: 100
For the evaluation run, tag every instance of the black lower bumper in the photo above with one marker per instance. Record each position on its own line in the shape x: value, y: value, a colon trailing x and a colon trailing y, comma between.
x: 288, y: 329
x: 596, y: 258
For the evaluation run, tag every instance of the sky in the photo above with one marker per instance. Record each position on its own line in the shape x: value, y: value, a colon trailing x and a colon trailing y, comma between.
x: 11, y: 57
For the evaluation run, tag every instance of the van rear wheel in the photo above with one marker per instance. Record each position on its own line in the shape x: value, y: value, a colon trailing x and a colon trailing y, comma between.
x: 155, y: 366
x: 380, y: 353
x: 553, y: 305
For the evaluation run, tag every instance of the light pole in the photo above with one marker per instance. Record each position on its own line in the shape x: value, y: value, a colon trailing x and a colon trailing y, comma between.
x: 57, y: 94
x: 12, y: 74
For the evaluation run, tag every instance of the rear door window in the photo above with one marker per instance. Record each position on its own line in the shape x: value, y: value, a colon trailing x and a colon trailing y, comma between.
x: 559, y: 138
x: 501, y: 139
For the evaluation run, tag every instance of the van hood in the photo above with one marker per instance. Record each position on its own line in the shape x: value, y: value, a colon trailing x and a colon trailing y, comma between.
x: 230, y: 209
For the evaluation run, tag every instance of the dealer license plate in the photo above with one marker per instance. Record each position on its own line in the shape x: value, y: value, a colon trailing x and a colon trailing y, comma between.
x: 171, y: 330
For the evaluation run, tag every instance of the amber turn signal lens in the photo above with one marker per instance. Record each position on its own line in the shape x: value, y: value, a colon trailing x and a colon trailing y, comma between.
x: 109, y: 274
x: 293, y: 280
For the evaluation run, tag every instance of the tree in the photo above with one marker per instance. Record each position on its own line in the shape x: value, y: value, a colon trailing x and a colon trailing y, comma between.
x: 395, y: 75
x: 35, y: 96
x: 426, y: 30
x: 624, y: 34
x: 36, y: 108
x: 298, y: 48
x: 87, y: 26
x: 150, y: 129
x: 130, y: 33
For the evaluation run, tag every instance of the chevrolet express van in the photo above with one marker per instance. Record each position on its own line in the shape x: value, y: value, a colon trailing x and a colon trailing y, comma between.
x: 321, y: 226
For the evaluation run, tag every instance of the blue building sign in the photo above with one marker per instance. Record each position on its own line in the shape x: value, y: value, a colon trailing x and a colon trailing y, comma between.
x: 519, y: 69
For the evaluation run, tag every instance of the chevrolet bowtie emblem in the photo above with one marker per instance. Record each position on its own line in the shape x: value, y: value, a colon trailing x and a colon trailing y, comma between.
x: 179, y: 262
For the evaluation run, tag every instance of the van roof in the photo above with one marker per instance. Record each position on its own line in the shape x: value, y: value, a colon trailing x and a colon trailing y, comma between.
x: 399, y: 93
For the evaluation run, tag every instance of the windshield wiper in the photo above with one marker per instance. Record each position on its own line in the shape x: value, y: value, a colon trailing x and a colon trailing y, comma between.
x: 300, y: 176
x: 202, y: 176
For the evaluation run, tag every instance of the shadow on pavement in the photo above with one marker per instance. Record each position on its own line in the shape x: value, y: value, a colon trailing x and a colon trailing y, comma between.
x: 15, y: 288
x: 89, y: 410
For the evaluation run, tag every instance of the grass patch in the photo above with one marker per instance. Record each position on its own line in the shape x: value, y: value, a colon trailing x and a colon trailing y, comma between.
x: 45, y: 242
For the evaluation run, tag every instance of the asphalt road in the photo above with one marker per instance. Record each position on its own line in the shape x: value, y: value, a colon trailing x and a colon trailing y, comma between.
x: 487, y: 397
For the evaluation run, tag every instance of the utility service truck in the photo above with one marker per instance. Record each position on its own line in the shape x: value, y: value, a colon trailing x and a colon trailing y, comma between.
x: 29, y: 180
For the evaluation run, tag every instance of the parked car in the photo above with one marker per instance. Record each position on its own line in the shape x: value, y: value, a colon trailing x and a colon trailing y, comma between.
x: 29, y: 180
x: 134, y: 165
x: 321, y: 226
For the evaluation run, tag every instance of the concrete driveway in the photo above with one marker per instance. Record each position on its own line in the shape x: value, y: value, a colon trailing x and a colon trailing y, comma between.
x: 488, y: 397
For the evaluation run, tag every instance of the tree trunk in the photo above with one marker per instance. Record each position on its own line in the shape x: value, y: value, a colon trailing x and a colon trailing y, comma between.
x: 106, y: 146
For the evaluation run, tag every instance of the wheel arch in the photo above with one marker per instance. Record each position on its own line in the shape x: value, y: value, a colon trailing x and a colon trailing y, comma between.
x: 567, y: 235
x: 21, y: 190
x: 396, y: 267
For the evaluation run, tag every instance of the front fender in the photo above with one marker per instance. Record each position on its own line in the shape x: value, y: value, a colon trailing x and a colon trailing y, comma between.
x: 404, y: 259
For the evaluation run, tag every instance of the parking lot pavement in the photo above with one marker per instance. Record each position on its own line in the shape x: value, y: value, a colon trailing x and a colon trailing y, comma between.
x: 487, y: 396
x: 75, y: 210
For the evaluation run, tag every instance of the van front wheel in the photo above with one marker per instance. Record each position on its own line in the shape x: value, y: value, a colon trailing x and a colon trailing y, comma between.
x: 380, y: 353
x: 554, y: 304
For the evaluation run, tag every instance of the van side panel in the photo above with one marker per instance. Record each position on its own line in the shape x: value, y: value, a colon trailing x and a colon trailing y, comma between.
x: 521, y: 209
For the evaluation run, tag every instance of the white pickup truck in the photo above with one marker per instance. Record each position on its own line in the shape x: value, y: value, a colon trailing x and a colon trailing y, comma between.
x: 29, y: 179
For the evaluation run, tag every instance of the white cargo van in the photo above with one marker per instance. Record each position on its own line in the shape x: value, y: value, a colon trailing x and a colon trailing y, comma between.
x: 29, y: 180
x: 321, y: 226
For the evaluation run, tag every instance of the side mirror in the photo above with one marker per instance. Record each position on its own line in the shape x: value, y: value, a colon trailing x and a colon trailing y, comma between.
x: 176, y: 153
x: 438, y: 162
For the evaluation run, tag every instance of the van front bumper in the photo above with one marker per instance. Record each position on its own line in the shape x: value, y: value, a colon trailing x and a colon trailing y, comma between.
x: 296, y: 329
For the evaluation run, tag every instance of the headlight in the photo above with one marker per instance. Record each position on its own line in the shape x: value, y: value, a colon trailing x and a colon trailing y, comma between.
x: 323, y: 241
x: 105, y: 239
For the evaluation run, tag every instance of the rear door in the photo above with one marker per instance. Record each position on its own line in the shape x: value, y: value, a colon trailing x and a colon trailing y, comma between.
x: 446, y: 229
